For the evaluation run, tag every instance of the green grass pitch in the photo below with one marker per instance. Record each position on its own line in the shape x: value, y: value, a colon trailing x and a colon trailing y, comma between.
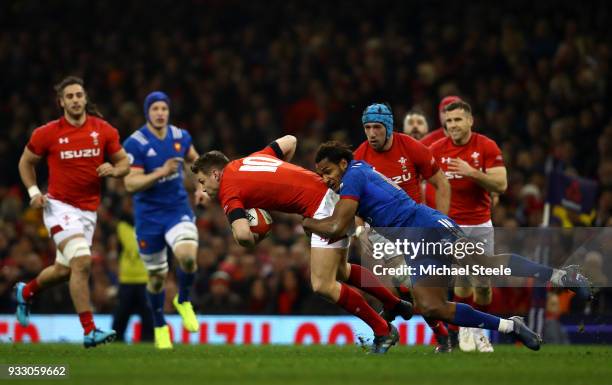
x: 321, y: 365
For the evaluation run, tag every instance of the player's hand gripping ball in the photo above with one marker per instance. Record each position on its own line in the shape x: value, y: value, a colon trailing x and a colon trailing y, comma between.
x: 260, y: 222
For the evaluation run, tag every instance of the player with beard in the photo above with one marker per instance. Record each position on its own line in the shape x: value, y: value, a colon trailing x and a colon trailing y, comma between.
x: 75, y: 146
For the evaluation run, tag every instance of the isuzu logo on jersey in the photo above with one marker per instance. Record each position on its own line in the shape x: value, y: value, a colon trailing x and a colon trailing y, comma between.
x: 74, y: 154
x: 401, y: 178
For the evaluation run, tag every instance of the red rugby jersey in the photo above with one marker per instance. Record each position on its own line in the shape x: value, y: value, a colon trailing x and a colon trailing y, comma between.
x: 470, y: 203
x: 262, y: 180
x: 73, y: 155
x: 406, y: 163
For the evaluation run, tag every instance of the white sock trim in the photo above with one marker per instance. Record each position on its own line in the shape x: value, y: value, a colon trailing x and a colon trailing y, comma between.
x: 505, y: 326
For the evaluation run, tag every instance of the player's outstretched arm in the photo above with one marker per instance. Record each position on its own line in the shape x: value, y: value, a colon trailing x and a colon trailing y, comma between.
x: 27, y: 171
x: 137, y: 180
x: 443, y: 191
x: 121, y: 164
x: 337, y: 225
x: 242, y: 233
x: 287, y: 144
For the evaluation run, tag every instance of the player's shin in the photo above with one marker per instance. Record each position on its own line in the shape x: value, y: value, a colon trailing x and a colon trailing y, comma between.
x: 354, y: 303
x: 156, y: 302
x: 185, y: 282
x: 364, y: 279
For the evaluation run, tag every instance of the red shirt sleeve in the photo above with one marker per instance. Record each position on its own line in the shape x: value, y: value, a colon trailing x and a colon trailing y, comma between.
x: 229, y: 196
x: 492, y: 156
x: 359, y: 153
x: 39, y: 142
x: 112, y: 141
x: 423, y: 160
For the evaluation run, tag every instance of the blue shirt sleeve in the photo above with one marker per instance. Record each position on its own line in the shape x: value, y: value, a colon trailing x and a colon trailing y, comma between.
x: 186, y: 141
x: 353, y: 183
x: 134, y: 152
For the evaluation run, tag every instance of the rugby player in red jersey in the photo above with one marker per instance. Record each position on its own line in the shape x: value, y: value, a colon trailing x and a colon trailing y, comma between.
x: 266, y: 180
x: 76, y: 147
x: 475, y: 168
x: 405, y: 161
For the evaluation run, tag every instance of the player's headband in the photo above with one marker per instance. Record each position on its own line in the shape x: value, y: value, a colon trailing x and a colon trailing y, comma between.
x: 155, y: 96
x: 379, y: 113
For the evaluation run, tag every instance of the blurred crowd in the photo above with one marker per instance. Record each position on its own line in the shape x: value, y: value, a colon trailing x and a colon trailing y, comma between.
x: 243, y: 73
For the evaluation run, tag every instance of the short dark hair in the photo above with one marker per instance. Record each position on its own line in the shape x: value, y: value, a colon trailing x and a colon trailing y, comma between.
x: 90, y: 107
x: 212, y: 159
x: 459, y: 105
x: 334, y: 151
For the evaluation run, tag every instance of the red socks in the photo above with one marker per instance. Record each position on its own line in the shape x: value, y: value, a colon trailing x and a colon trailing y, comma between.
x: 437, y: 327
x: 354, y: 303
x: 87, y: 321
x: 364, y: 279
x: 30, y: 289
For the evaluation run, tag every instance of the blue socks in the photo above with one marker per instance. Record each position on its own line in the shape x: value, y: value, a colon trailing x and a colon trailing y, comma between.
x: 156, y: 301
x: 523, y: 267
x: 467, y: 316
x: 185, y: 282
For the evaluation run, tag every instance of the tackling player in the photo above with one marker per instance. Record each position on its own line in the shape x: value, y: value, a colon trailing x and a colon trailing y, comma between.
x: 369, y: 195
x: 265, y: 180
x: 404, y: 160
x: 163, y: 216
x: 75, y: 146
x: 475, y: 168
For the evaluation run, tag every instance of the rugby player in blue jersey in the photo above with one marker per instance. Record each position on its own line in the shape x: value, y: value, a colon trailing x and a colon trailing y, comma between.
x: 162, y: 213
x: 384, y: 205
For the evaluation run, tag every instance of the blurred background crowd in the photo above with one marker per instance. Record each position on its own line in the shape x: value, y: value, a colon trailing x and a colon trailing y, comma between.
x: 243, y: 73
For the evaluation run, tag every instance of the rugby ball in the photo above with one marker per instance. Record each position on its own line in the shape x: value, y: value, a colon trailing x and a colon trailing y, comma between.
x: 260, y: 221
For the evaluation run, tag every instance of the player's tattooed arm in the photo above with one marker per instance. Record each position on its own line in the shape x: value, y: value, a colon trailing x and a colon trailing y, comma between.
x: 287, y: 145
x: 242, y: 233
x: 337, y: 225
x: 443, y: 191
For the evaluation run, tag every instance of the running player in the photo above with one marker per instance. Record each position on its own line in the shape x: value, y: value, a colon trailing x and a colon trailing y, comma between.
x: 75, y: 146
x: 163, y: 215
x: 475, y: 168
x: 405, y: 161
x: 368, y: 194
x: 265, y: 180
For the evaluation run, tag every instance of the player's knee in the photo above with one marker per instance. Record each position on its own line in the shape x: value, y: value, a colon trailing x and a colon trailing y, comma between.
x: 435, y: 310
x: 343, y: 272
x: 483, y: 295
x: 322, y: 287
x: 187, y: 262
x: 62, y: 272
x: 463, y: 291
x: 156, y: 282
x: 81, y: 265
